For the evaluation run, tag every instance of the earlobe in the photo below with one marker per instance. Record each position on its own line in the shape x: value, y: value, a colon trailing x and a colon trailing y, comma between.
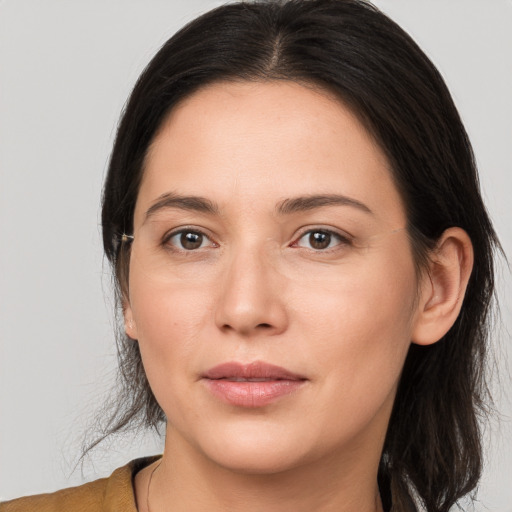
x: 443, y: 287
x: 129, y: 324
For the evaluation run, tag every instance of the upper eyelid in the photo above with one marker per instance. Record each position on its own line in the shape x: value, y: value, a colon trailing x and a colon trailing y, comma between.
x: 190, y: 229
x: 184, y: 229
x: 333, y: 231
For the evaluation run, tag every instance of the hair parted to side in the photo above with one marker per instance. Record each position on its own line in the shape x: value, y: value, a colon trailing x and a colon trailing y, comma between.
x: 348, y: 47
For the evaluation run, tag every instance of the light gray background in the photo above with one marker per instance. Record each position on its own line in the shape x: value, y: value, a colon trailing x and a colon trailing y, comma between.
x: 66, y: 69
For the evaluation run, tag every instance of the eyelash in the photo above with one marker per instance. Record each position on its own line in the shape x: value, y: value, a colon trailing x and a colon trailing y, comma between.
x: 343, y: 240
x: 182, y: 231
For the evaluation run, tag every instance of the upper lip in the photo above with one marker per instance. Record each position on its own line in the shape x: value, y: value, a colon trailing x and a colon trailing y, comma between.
x: 254, y: 370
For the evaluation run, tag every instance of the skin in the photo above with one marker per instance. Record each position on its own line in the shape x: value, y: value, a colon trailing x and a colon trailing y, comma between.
x: 257, y: 290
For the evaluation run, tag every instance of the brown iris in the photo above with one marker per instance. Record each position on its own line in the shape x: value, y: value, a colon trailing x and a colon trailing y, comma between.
x: 319, y: 239
x: 190, y: 240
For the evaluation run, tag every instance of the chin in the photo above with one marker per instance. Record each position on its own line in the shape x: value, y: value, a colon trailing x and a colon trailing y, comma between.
x: 257, y: 450
x: 256, y: 461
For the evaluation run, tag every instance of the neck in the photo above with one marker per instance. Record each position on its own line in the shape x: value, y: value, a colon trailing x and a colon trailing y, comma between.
x: 186, y: 481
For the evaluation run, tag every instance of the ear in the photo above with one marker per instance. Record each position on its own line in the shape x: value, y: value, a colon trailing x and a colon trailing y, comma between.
x: 443, y: 287
x: 129, y: 323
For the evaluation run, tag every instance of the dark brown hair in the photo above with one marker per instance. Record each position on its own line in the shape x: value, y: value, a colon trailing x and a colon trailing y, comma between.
x: 433, y: 443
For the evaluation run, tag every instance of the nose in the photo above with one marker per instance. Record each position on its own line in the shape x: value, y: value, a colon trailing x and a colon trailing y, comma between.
x: 251, y: 296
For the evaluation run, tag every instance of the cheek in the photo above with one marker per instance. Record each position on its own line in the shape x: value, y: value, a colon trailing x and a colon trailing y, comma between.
x: 361, y: 323
x: 169, y: 320
x: 164, y: 309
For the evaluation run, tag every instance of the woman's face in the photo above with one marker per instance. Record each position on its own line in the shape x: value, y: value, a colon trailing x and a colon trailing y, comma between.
x: 272, y: 287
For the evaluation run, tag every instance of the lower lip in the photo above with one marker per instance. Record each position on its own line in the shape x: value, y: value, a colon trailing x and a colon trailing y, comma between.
x: 252, y: 394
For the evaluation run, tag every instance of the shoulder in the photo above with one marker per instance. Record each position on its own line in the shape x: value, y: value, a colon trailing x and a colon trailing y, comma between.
x: 104, y: 495
x: 84, y: 497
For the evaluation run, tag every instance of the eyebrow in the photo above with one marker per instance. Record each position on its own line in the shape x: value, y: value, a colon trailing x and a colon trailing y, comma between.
x: 304, y: 203
x: 284, y: 207
x: 191, y: 203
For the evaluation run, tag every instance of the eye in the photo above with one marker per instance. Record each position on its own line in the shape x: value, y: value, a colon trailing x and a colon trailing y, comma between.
x: 321, y: 239
x: 187, y: 240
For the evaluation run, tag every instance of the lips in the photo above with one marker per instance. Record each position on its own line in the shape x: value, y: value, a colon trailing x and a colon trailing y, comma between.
x: 251, y: 385
x: 253, y: 371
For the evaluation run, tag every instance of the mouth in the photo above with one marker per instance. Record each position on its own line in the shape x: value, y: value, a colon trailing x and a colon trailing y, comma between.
x: 257, y: 371
x: 251, y: 385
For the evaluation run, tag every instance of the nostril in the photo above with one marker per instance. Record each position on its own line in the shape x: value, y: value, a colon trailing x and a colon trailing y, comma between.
x: 262, y: 326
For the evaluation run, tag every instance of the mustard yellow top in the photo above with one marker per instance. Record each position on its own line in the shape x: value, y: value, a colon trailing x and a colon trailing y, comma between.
x: 112, y: 494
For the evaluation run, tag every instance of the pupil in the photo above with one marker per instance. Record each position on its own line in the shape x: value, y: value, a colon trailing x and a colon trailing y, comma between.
x: 319, y: 240
x: 191, y: 241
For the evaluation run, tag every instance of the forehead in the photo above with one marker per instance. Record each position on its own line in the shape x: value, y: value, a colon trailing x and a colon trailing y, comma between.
x: 256, y: 143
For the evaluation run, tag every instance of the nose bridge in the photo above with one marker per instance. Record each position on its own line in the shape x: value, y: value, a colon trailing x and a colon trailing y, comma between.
x: 250, y: 296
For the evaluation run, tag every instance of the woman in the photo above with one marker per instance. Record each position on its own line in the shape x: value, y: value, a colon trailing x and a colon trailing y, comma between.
x: 304, y: 266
